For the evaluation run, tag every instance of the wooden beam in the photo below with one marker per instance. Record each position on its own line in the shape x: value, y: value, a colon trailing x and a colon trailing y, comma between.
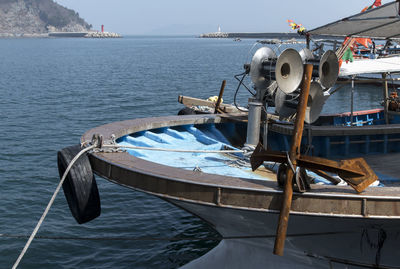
x: 191, y: 101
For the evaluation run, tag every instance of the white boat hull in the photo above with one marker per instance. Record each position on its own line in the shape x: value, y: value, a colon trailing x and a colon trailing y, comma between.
x: 312, y: 242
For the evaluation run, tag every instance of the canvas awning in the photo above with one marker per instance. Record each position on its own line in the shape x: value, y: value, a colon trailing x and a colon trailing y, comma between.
x: 382, y: 22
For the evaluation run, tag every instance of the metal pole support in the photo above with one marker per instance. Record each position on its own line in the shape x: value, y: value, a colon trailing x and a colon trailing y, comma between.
x: 254, y: 121
x: 385, y: 97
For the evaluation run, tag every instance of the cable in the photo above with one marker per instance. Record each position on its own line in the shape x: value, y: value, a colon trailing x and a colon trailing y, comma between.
x: 237, y: 90
x: 236, y: 77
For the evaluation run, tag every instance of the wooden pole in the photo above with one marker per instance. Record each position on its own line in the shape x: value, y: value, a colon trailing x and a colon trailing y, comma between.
x: 221, y: 92
x: 293, y: 155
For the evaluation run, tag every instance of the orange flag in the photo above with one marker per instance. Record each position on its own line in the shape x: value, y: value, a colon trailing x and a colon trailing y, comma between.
x: 364, y: 41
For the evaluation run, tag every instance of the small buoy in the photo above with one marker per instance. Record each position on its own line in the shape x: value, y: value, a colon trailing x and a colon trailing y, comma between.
x: 214, y: 99
x: 80, y: 186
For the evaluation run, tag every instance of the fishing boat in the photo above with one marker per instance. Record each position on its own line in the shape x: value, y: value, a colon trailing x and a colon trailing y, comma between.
x: 237, y: 170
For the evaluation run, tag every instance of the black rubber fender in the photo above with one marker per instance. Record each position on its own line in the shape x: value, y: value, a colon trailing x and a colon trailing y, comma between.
x: 281, y: 175
x: 186, y: 111
x: 80, y: 186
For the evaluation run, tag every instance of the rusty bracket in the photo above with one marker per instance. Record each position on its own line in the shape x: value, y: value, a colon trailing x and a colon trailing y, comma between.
x: 356, y: 172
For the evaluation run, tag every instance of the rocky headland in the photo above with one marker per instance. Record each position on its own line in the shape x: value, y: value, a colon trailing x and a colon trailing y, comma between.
x: 35, y: 18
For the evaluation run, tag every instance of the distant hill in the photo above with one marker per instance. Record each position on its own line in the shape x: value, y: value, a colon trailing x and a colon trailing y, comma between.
x: 30, y: 17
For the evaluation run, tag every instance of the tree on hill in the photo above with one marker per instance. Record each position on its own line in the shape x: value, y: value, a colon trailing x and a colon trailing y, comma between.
x: 41, y: 12
x: 54, y: 14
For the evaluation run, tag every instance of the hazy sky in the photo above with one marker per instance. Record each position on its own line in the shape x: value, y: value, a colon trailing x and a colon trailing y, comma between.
x: 196, y: 17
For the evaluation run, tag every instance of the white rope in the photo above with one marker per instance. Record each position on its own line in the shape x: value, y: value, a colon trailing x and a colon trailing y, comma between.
x: 72, y: 163
x: 174, y: 150
x: 49, y: 205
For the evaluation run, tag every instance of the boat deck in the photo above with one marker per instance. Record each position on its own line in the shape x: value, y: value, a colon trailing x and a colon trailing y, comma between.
x: 188, y: 138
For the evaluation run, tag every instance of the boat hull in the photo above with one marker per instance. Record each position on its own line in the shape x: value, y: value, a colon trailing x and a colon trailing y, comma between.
x: 328, y: 224
x: 312, y: 241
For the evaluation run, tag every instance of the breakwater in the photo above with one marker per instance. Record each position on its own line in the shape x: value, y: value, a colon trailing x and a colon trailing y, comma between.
x: 281, y: 36
x: 85, y: 34
x: 250, y: 35
x: 102, y: 35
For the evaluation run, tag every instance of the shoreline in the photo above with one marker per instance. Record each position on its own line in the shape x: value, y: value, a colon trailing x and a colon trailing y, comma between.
x: 88, y: 34
x: 23, y: 35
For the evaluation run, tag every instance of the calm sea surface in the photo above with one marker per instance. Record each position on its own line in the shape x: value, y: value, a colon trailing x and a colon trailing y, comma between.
x: 53, y: 90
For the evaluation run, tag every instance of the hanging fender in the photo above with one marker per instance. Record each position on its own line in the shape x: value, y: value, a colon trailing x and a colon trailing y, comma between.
x: 80, y: 186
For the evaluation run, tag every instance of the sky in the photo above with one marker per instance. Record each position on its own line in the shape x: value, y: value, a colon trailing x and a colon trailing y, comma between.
x: 189, y: 17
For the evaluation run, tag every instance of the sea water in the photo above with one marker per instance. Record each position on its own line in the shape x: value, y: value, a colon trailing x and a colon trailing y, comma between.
x: 53, y: 90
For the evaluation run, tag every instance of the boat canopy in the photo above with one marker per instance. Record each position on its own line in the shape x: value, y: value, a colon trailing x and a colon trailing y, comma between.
x: 382, y: 22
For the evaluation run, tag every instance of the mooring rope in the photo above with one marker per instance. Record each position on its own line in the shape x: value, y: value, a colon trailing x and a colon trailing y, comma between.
x: 32, y: 236
x: 91, y: 147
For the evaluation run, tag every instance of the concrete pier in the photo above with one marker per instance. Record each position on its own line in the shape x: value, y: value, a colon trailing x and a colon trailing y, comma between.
x: 249, y: 35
